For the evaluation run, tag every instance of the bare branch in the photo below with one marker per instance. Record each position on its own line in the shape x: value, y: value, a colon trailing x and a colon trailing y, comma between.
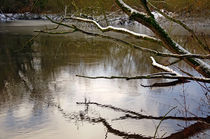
x: 189, y: 131
x: 170, y: 44
x: 125, y: 42
x: 205, y: 47
x: 149, y: 76
x: 120, y: 30
x: 165, y: 68
x: 145, y: 3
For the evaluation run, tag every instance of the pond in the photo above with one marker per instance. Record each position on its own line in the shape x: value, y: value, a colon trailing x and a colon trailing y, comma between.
x: 39, y: 89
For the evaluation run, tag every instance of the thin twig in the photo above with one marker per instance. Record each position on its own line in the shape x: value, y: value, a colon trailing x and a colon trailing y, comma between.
x: 162, y: 121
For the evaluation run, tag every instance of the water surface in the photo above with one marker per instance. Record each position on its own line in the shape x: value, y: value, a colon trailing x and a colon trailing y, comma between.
x: 41, y: 72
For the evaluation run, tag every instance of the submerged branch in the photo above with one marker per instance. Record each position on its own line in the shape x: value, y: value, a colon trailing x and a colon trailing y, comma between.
x: 189, y: 131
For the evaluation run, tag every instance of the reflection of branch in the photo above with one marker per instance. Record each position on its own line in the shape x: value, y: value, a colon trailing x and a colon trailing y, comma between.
x: 49, y: 32
x: 166, y: 84
x: 136, y: 115
x: 82, y: 116
x: 187, y: 132
x: 114, y: 131
x: 149, y: 76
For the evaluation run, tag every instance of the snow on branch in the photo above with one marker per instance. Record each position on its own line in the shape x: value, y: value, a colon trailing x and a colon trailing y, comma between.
x: 157, y: 53
x: 118, y: 29
x: 199, y: 65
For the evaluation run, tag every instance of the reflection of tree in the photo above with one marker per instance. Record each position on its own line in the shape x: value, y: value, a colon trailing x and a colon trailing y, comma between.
x: 55, y: 54
x: 14, y: 58
x: 21, y: 66
x: 201, y: 124
x: 18, y: 75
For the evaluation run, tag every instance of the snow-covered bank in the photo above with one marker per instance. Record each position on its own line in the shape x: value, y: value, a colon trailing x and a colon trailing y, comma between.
x: 9, y: 17
x: 199, y: 24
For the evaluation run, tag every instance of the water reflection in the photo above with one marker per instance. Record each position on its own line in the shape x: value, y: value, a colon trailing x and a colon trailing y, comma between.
x: 43, y: 72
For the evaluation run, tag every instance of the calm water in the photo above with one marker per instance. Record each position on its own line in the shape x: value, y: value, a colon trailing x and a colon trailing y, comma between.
x: 42, y: 72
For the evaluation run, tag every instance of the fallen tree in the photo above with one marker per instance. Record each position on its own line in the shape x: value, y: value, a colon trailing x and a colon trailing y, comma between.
x: 148, y: 20
x: 161, y: 38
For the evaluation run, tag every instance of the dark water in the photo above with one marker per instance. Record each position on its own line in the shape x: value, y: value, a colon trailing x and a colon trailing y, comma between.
x: 41, y: 72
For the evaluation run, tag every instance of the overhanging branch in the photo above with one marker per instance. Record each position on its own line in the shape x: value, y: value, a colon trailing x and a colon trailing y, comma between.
x: 170, y: 44
x: 205, y: 47
x: 149, y: 76
x: 120, y: 30
x: 157, y: 53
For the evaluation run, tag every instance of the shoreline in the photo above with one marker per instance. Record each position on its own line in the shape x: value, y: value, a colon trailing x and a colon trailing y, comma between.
x: 198, y: 24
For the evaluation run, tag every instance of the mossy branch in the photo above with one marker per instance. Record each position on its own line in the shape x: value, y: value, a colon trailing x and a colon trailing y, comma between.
x: 203, y: 46
x: 168, y: 43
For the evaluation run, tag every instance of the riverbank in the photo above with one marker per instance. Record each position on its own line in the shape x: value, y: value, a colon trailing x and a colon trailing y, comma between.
x: 198, y: 24
x: 10, y: 17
